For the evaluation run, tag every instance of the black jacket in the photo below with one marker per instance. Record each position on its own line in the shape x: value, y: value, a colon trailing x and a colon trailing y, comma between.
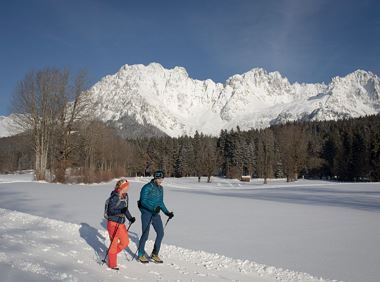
x: 114, y: 208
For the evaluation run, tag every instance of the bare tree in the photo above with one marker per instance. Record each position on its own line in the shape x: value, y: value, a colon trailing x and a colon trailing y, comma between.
x: 265, y: 155
x: 210, y: 157
x: 293, y: 150
x: 198, y: 145
x: 43, y: 108
x: 74, y: 107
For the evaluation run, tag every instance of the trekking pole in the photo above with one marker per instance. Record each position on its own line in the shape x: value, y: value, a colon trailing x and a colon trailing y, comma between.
x: 129, y: 226
x: 166, y: 222
x: 113, y: 237
x: 146, y: 228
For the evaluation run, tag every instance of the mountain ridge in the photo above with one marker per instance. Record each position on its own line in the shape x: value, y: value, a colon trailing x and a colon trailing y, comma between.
x: 176, y: 104
x: 150, y: 100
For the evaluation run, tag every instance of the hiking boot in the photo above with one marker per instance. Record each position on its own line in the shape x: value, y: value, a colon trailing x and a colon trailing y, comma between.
x: 156, y: 258
x: 143, y: 259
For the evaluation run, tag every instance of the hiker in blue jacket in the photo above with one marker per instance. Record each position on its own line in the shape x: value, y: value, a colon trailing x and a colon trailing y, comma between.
x: 150, y: 204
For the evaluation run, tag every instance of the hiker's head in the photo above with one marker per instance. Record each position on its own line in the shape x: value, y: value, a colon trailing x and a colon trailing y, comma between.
x: 158, y: 176
x: 122, y: 186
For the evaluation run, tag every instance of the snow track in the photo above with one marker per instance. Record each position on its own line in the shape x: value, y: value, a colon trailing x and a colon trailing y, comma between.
x: 59, y: 251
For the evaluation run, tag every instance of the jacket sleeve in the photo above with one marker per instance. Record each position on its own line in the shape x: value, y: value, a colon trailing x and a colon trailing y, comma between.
x: 162, y: 205
x: 113, y: 208
x: 128, y: 215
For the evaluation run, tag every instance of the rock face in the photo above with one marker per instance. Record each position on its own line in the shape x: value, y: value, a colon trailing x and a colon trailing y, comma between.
x: 153, y: 101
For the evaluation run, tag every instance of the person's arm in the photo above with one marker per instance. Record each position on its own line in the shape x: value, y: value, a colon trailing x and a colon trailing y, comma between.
x: 162, y: 205
x: 125, y: 210
x: 128, y: 215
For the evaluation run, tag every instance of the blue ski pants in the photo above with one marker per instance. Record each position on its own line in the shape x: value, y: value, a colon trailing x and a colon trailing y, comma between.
x: 146, y: 219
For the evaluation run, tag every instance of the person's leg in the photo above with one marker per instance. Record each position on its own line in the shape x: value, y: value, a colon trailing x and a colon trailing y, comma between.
x: 158, y: 227
x: 145, y: 222
x: 111, y: 227
x: 122, y: 234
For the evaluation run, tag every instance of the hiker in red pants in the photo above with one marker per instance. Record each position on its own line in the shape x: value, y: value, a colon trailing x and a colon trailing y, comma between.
x: 117, y: 212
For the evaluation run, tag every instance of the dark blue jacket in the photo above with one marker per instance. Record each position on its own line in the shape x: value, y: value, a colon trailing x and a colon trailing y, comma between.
x: 152, y: 196
x: 114, y: 208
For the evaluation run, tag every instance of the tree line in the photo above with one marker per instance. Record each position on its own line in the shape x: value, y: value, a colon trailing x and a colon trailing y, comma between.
x: 62, y: 142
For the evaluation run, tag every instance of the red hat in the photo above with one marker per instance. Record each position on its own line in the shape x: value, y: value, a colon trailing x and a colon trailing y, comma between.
x: 121, y: 184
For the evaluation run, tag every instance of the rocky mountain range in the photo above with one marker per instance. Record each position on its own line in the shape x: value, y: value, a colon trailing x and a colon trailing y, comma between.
x: 150, y: 100
x: 168, y: 101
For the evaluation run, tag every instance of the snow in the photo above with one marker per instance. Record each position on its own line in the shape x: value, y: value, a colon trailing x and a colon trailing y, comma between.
x: 224, y: 230
x: 55, y: 250
x: 177, y: 104
x: 8, y: 127
x: 4, y: 127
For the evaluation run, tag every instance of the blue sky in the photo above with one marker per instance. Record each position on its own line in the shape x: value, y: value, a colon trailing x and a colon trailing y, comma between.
x: 305, y: 40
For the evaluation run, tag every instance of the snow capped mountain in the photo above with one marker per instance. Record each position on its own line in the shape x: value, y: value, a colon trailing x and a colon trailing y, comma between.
x: 3, y: 129
x: 167, y: 99
x: 176, y: 104
x: 7, y: 126
x: 152, y: 101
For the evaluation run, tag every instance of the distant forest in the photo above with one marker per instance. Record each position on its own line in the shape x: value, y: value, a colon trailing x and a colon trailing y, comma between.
x: 345, y: 150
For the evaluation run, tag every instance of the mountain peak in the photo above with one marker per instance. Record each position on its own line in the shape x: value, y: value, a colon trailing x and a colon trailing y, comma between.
x: 174, y: 103
x: 362, y: 75
x: 359, y: 77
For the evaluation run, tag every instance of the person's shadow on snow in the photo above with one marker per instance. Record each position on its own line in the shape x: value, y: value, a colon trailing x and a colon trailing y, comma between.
x: 96, y: 240
x: 133, y: 238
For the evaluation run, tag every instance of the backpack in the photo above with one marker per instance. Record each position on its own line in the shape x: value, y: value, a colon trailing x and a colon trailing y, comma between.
x: 106, y: 208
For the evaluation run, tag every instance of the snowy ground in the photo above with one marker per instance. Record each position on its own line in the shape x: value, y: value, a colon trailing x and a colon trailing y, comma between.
x: 330, y: 230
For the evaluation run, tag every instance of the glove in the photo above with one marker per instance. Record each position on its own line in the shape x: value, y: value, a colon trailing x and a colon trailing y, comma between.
x: 139, y: 204
x: 170, y: 215
x: 132, y: 220
x: 124, y: 210
x: 157, y: 210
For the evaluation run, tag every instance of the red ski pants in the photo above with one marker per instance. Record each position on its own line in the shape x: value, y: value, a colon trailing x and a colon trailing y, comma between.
x: 119, y: 243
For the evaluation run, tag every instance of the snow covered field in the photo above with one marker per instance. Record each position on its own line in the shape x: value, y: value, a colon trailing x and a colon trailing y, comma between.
x: 227, y: 230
